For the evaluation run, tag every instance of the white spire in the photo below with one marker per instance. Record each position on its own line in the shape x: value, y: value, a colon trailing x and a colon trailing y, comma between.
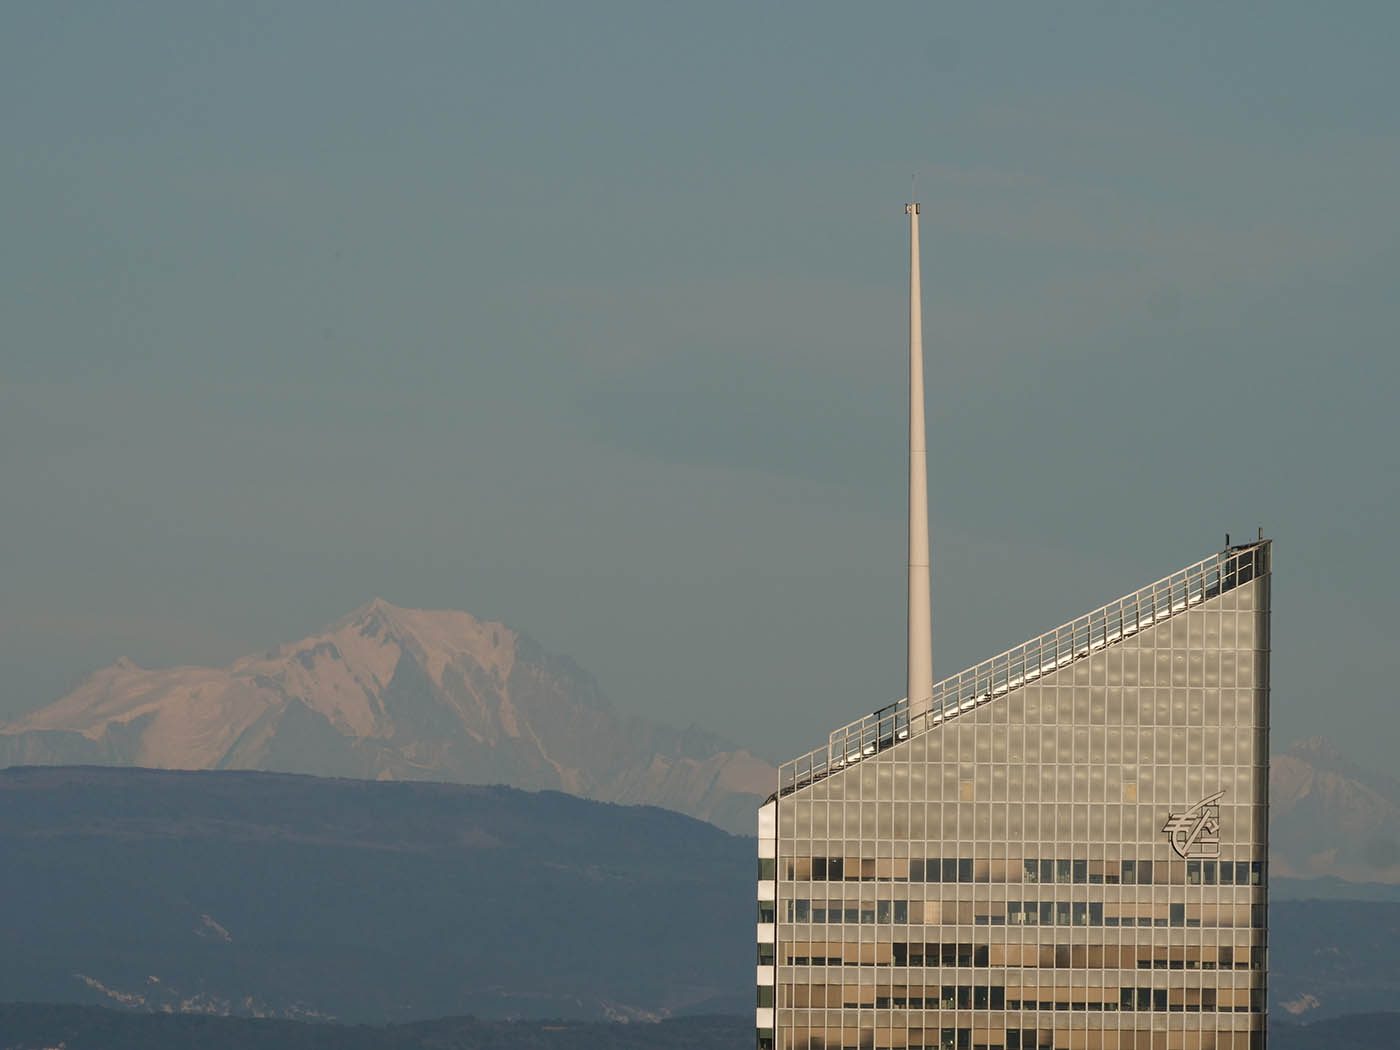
x: 920, y: 677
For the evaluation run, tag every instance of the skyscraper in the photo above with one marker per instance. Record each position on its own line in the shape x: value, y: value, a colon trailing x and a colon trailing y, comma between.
x: 1061, y: 847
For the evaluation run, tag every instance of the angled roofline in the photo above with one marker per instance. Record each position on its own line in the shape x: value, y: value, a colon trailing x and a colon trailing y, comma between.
x: 994, y: 678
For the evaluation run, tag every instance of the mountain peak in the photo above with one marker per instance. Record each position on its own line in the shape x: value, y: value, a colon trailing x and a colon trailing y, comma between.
x: 390, y: 691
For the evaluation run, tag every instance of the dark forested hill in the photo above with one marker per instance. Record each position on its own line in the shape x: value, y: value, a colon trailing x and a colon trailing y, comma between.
x: 25, y: 1026
x: 296, y: 897
x: 292, y: 896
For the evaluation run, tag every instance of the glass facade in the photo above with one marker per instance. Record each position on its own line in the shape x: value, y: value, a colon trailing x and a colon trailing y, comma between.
x: 1067, y: 851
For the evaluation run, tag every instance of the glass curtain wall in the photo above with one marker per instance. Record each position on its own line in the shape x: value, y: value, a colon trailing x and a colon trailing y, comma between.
x: 1079, y: 862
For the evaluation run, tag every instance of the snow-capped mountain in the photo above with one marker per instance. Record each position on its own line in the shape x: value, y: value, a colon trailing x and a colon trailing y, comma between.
x: 400, y: 693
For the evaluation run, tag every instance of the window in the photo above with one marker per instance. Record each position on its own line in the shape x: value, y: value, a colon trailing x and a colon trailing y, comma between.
x: 765, y: 995
x: 765, y: 954
x: 818, y: 869
x: 767, y: 868
x: 1081, y: 871
x: 766, y: 911
x: 916, y: 869
x: 834, y: 866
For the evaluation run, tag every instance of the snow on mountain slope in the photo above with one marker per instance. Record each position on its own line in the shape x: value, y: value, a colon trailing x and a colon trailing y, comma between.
x: 389, y: 692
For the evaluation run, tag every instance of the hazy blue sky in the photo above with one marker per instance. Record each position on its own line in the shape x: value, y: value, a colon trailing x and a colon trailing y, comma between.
x: 590, y: 318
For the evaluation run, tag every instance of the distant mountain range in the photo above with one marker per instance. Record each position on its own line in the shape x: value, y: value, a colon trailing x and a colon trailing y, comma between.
x: 404, y: 694
x: 409, y: 694
x: 1330, y: 817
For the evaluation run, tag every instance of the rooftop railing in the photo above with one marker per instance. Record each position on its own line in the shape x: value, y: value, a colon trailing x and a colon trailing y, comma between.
x: 1028, y: 662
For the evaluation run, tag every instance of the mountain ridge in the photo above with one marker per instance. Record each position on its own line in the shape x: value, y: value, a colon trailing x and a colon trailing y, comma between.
x: 388, y: 692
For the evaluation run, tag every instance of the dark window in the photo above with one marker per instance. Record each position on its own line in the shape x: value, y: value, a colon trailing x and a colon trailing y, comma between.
x: 1129, y: 872
x: 1242, y: 873
x: 980, y: 998
x: 1208, y: 872
x: 765, y: 1039
x: 964, y: 955
x: 852, y: 914
x: 964, y: 869
x: 901, y: 911
x: 998, y: 998
x: 883, y: 912
x: 1144, y: 873
x: 950, y: 869
x: 834, y: 866
x: 1032, y: 869
x: 1081, y: 871
x: 1256, y: 873
x: 765, y: 995
x: 765, y: 955
x: 964, y: 996
x: 916, y: 869
x: 979, y: 955
x: 1159, y: 1000
x: 1047, y: 913
x: 766, y: 912
x: 1095, y: 913
x: 1193, y: 873
x: 901, y: 954
x: 767, y: 868
x: 818, y: 869
x: 1178, y: 914
x: 833, y: 911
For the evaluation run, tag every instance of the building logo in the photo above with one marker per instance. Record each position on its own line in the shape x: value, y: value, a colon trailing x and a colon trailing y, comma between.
x: 1195, y: 834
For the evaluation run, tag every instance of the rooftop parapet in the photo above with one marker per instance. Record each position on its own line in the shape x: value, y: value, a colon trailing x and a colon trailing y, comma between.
x: 1030, y: 661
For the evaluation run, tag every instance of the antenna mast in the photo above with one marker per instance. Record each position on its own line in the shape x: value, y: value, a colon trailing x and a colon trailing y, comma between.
x: 920, y: 669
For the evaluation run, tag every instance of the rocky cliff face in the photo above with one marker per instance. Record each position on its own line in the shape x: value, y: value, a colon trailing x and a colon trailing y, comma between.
x: 393, y: 693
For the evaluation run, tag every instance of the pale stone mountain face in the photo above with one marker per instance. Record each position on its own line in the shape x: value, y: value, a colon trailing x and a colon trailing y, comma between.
x: 398, y: 693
